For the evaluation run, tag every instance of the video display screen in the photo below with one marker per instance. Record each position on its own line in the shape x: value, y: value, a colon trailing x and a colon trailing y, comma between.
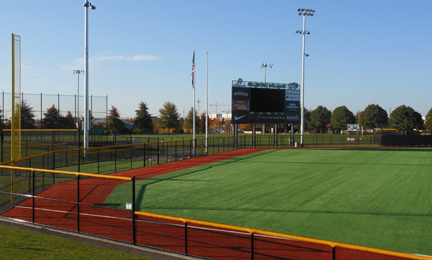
x: 267, y: 100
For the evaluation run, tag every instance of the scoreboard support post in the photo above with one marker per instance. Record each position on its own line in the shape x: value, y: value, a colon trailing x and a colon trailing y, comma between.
x: 253, y: 135
x: 235, y: 136
x: 292, y: 136
x: 275, y: 136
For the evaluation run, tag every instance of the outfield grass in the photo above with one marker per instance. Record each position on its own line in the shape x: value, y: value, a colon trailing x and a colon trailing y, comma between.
x: 22, y: 244
x: 377, y: 197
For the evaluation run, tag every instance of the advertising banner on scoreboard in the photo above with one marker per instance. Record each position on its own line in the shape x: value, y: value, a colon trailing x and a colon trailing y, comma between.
x: 292, y: 106
x: 265, y: 103
x: 240, y: 105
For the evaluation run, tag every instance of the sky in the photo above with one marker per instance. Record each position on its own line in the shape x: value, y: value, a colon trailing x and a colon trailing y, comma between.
x: 360, y: 52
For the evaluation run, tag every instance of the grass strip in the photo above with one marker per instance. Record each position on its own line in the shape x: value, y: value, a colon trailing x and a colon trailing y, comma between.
x: 23, y: 244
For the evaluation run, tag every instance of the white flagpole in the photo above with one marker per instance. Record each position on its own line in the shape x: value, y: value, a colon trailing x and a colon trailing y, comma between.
x: 193, y: 115
x: 206, y: 122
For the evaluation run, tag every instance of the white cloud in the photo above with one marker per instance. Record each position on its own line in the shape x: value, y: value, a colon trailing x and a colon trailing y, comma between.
x: 127, y: 58
x: 78, y: 63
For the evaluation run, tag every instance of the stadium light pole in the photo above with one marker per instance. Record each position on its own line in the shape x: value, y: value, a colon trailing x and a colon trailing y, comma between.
x: 265, y: 65
x: 86, y: 87
x: 77, y: 114
x: 304, y: 12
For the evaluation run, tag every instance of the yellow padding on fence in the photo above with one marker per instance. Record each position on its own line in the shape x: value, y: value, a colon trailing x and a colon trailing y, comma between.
x: 69, y: 173
x: 274, y: 234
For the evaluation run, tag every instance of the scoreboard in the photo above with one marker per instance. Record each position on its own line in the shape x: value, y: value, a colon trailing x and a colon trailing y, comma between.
x: 265, y: 103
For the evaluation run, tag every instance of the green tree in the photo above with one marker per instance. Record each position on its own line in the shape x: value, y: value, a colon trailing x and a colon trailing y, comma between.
x: 169, y: 117
x: 373, y: 116
x: 405, y: 118
x: 179, y: 129
x: 320, y: 117
x: 67, y: 122
x: 27, y: 116
x: 114, y: 124
x: 341, y: 116
x: 143, y: 122
x: 189, y: 121
x: 307, y: 122
x: 202, y: 122
x: 52, y: 119
x: 428, y: 120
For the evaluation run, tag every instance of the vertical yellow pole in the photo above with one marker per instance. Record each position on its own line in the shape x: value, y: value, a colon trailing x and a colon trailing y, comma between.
x: 20, y: 103
x: 16, y: 106
x: 13, y: 115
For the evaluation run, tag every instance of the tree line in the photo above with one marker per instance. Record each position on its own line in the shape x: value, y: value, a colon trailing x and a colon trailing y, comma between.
x: 403, y: 118
x: 52, y: 120
x: 373, y: 116
x: 169, y: 120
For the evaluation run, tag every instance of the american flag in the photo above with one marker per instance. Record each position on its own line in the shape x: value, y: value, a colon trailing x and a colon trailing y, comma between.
x: 193, y: 68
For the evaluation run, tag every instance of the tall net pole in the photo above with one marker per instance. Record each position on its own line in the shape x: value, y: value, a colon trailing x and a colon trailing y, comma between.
x: 16, y: 106
x: 86, y: 79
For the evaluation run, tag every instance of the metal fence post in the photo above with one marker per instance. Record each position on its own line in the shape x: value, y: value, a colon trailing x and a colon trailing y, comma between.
x: 2, y: 141
x: 115, y: 159
x: 53, y: 160
x: 78, y: 203
x: 190, y: 149
x: 29, y: 177
x: 52, y: 139
x: 252, y: 246
x: 79, y: 150
x: 144, y: 155
x: 98, y: 159
x: 186, y: 240
x: 26, y: 144
x: 133, y: 212
x: 158, y: 151
x: 33, y: 198
x: 150, y: 154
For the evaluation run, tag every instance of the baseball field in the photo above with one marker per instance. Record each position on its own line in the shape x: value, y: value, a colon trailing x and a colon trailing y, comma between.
x: 372, y: 197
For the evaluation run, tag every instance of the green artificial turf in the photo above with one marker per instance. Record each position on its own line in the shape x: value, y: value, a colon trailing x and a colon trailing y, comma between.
x: 376, y: 197
x: 22, y: 244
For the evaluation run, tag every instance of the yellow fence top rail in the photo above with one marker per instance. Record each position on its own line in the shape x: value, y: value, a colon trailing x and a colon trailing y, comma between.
x: 274, y: 234
x: 43, y: 130
x: 68, y: 173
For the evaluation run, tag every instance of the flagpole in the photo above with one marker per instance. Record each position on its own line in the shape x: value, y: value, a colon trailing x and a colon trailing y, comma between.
x: 206, y: 122
x: 193, y: 115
